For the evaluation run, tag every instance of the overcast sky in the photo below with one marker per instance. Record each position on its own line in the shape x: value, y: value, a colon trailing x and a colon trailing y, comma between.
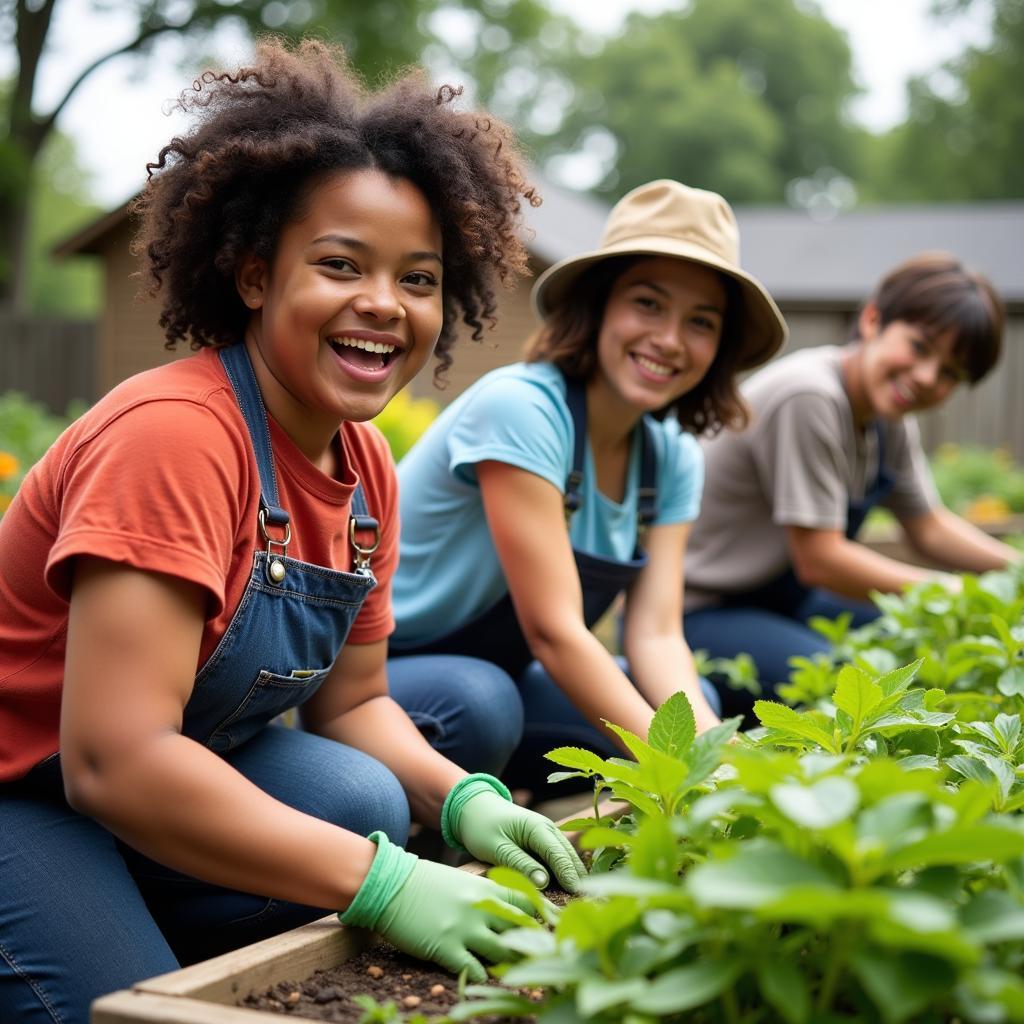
x: 117, y: 123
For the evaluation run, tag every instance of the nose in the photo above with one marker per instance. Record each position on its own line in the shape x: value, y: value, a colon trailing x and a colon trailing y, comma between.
x: 926, y: 372
x: 379, y: 299
x: 669, y: 338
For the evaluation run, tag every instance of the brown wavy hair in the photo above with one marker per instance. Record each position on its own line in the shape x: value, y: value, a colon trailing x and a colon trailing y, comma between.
x: 937, y: 292
x: 568, y: 339
x: 266, y: 134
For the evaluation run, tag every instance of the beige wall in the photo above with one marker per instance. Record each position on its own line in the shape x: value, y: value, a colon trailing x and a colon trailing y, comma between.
x: 129, y: 339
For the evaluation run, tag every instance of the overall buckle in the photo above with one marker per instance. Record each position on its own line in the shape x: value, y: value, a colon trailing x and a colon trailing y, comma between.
x: 361, y: 561
x: 275, y: 565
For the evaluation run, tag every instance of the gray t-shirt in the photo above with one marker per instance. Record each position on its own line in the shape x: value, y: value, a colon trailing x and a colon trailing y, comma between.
x: 799, y: 463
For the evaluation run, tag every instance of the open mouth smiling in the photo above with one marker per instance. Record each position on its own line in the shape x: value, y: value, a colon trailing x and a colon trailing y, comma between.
x: 370, y: 355
x: 659, y: 369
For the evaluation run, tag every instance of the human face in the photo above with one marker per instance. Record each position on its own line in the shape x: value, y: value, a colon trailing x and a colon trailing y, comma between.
x: 349, y: 309
x: 660, y: 332
x: 904, y: 368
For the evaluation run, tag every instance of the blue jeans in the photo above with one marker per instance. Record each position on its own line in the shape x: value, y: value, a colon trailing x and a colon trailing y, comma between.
x: 81, y: 914
x: 467, y: 709
x: 769, y: 637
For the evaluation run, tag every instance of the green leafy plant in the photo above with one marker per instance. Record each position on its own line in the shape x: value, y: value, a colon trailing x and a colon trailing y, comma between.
x: 27, y: 429
x: 807, y: 874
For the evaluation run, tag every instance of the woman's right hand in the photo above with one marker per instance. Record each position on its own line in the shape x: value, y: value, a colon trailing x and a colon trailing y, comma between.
x: 427, y: 910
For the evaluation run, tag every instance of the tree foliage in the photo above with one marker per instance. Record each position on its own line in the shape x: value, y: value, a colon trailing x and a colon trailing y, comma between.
x: 723, y: 94
x: 964, y: 134
x: 380, y: 37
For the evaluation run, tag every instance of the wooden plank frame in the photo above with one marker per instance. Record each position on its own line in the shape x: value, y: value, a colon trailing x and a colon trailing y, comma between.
x: 206, y: 992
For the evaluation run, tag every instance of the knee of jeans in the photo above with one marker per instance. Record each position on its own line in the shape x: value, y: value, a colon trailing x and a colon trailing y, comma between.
x: 492, y: 711
x: 376, y: 803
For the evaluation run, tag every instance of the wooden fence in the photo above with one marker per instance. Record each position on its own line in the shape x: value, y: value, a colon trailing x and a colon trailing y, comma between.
x: 52, y: 361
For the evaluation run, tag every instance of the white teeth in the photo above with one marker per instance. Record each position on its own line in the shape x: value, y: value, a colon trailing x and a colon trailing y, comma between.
x: 658, y: 368
x: 370, y: 346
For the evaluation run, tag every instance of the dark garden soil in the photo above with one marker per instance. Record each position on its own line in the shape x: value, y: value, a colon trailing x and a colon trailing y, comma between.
x: 381, y: 972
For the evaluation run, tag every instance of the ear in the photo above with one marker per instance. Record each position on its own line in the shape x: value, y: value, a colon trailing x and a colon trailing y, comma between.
x: 868, y: 322
x: 252, y: 277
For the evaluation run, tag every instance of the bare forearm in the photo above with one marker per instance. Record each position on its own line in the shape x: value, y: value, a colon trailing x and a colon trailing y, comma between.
x: 591, y: 679
x: 380, y: 728
x: 854, y: 570
x: 943, y: 537
x: 182, y: 805
x: 662, y: 665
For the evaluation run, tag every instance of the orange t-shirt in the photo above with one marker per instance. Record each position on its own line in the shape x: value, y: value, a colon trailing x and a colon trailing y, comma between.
x: 160, y: 475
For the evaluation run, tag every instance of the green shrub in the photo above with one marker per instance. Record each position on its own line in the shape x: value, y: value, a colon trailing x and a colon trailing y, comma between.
x: 27, y: 429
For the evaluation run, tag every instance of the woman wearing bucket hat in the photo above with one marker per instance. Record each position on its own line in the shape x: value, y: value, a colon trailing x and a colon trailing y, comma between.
x: 524, y: 504
x: 832, y: 436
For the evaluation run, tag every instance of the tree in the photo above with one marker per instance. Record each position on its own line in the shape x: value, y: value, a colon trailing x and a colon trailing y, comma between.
x: 964, y: 140
x: 379, y: 36
x: 738, y: 97
x: 60, y: 203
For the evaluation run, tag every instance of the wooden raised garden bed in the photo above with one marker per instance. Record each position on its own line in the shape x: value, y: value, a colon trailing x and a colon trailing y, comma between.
x: 208, y: 992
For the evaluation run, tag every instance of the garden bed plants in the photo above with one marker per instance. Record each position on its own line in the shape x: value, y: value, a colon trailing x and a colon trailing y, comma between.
x: 859, y: 857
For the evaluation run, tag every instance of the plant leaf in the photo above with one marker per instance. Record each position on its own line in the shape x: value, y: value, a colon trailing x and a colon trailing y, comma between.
x: 673, y: 727
x: 686, y: 987
x: 785, y: 990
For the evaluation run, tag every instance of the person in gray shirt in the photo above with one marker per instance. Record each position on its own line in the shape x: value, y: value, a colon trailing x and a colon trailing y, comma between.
x: 832, y: 435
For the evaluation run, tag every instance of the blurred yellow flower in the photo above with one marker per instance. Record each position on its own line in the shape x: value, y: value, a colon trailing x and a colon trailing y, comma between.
x: 948, y: 452
x: 987, y: 509
x: 9, y: 465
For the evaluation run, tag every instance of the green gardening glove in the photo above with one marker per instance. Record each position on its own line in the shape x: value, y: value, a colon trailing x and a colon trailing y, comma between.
x: 427, y: 909
x: 478, y: 816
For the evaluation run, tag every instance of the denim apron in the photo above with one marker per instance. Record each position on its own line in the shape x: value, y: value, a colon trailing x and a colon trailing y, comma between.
x: 786, y: 593
x: 293, y: 618
x: 495, y: 635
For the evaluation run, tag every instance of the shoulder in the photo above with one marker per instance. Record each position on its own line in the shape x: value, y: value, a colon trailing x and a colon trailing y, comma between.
x: 807, y: 373
x: 537, y: 385
x: 185, y: 407
x: 676, y: 449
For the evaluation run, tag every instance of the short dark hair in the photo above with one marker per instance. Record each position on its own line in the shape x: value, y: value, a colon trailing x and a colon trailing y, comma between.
x: 568, y: 339
x: 937, y: 292
x: 268, y: 133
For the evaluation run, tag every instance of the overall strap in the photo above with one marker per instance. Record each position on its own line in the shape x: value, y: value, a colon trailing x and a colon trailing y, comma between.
x: 240, y: 373
x: 647, y: 492
x: 879, y: 449
x: 360, y: 521
x: 576, y: 398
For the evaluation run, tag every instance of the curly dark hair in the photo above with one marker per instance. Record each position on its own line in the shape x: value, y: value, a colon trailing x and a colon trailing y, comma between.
x: 263, y: 138
x: 568, y: 338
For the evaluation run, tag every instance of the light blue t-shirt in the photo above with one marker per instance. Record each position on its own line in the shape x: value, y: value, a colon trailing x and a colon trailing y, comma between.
x: 449, y: 572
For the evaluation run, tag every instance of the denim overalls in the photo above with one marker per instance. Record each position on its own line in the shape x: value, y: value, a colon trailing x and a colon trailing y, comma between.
x: 83, y: 914
x: 293, y: 618
x: 495, y: 635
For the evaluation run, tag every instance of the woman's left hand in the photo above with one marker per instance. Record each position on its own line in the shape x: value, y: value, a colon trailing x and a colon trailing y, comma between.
x: 497, y: 831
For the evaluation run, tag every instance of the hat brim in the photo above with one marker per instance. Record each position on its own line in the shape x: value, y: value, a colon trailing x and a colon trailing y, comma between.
x: 762, y: 330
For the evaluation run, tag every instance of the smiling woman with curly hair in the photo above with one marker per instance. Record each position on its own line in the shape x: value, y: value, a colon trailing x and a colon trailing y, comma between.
x: 264, y: 136
x: 213, y: 544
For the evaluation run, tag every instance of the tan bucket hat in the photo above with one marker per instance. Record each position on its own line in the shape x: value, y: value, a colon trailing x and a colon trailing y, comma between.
x: 667, y: 218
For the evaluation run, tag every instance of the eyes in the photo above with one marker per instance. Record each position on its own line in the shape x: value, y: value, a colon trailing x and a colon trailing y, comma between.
x: 416, y: 279
x: 654, y: 306
x: 949, y: 372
